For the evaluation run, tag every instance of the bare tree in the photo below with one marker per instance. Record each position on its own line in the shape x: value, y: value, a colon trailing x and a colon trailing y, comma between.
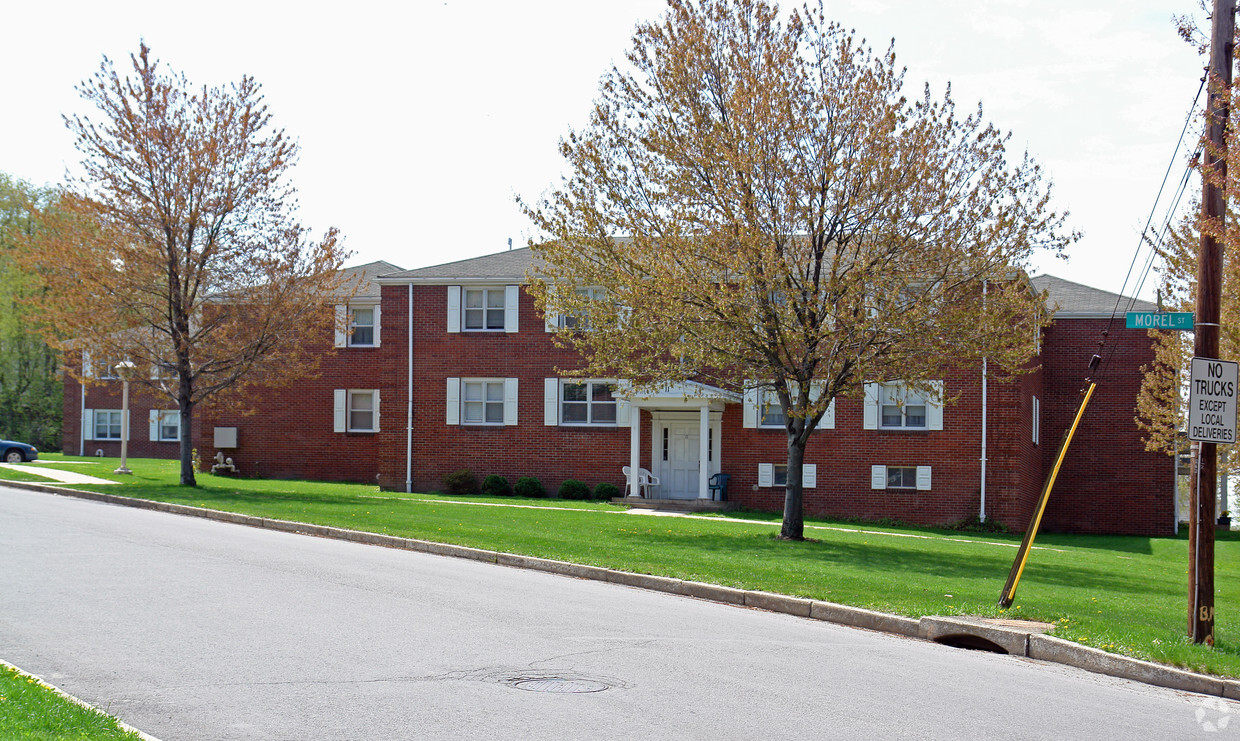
x: 761, y: 206
x: 177, y: 247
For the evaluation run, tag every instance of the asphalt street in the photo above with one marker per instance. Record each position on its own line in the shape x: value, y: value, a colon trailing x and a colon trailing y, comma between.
x: 194, y: 629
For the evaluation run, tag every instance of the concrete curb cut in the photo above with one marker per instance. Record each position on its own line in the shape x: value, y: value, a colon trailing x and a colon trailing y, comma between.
x: 1016, y: 641
x: 125, y: 727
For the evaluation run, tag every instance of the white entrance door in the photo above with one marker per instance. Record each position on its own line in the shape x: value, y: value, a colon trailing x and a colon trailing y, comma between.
x: 680, y: 480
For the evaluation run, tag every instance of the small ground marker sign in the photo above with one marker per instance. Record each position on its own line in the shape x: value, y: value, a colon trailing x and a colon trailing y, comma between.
x: 1212, y: 401
x: 1181, y: 320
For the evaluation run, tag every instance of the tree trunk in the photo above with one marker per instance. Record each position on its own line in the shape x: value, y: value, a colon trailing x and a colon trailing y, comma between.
x: 187, y: 445
x: 794, y: 520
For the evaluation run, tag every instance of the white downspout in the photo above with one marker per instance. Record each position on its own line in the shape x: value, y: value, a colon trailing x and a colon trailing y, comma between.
x: 82, y: 419
x: 409, y: 413
x: 981, y: 514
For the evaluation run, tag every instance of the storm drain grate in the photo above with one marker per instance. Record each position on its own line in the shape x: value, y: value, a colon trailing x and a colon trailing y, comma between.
x: 562, y: 685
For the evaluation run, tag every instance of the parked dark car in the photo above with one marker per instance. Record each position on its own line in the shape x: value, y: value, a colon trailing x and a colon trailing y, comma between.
x: 14, y: 452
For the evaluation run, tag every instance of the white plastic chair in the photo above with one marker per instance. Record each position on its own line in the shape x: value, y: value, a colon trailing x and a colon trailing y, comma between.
x: 646, y: 482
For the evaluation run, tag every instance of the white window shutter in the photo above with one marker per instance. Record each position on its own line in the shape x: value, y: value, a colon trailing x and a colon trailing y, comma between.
x: 870, y: 418
x: 878, y: 477
x: 454, y: 401
x: 551, y: 320
x: 88, y: 424
x: 377, y: 325
x: 376, y: 422
x: 510, y: 401
x: 934, y: 406
x: 750, y: 415
x: 512, y: 298
x: 624, y: 413
x: 454, y: 309
x: 923, y: 478
x: 551, y: 401
x: 86, y: 367
x: 828, y: 417
x: 766, y: 474
x: 809, y: 475
x: 342, y: 325
x: 154, y: 425
x: 340, y: 411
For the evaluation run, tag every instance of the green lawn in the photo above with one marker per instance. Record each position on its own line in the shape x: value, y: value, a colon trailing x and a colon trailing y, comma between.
x: 31, y: 711
x: 1123, y: 594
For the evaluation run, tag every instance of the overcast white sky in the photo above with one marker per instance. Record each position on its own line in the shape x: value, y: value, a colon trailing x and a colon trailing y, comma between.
x: 420, y: 121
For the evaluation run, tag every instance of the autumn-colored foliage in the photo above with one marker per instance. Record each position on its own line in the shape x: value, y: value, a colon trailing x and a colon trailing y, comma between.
x: 177, y: 247
x: 755, y: 202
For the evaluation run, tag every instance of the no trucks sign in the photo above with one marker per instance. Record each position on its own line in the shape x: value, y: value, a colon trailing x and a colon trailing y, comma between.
x: 1212, y: 401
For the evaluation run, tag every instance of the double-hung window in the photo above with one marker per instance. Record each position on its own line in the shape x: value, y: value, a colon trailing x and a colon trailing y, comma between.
x: 587, y: 403
x: 582, y: 321
x: 362, y: 411
x: 484, y: 309
x: 762, y: 409
x: 107, y: 424
x: 895, y: 406
x: 362, y: 326
x: 165, y: 425
x: 357, y: 325
x: 482, y: 402
x: 356, y: 410
x: 902, y: 408
x: 770, y: 412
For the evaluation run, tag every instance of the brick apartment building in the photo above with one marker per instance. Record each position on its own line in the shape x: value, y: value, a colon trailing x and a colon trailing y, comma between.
x: 452, y: 366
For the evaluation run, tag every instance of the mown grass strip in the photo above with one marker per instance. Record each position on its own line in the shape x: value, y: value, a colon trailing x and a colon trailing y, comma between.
x: 1122, y: 594
x: 33, y: 711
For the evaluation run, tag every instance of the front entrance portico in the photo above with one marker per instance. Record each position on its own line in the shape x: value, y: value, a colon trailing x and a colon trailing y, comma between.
x: 684, y: 438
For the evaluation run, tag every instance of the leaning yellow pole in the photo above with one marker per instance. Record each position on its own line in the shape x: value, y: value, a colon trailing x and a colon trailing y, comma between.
x: 1022, y: 555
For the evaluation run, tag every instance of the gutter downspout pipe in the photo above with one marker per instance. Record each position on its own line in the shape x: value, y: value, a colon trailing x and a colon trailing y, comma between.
x: 82, y: 419
x: 409, y: 396
x: 981, y: 514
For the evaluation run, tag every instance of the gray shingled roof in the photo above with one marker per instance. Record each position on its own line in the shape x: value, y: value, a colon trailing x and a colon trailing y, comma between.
x: 509, y: 266
x: 1066, y: 299
x: 1074, y: 301
x: 367, y: 275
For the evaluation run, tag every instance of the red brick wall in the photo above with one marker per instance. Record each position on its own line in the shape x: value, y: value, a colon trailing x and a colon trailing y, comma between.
x: 1108, y: 483
x: 107, y: 395
x: 843, y: 455
x: 289, y: 433
x: 552, y: 454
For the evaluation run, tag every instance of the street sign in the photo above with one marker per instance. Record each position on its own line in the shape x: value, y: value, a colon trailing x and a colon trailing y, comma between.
x: 1182, y: 320
x: 1212, y: 401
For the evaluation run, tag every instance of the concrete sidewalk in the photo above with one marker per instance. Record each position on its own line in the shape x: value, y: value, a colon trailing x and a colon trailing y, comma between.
x: 55, y: 474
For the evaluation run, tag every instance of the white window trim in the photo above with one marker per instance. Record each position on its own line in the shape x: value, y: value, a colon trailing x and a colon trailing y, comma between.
x: 754, y: 397
x: 878, y: 478
x: 553, y: 397
x: 156, y: 419
x: 92, y: 432
x: 345, y: 327
x: 872, y: 417
x: 766, y: 475
x: 456, y: 402
x: 511, y: 308
x: 342, y: 408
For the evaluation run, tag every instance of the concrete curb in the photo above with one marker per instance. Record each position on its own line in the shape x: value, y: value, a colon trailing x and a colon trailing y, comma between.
x: 1015, y: 641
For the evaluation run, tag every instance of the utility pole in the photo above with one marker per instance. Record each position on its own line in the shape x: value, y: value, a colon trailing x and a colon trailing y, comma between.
x: 1209, y: 293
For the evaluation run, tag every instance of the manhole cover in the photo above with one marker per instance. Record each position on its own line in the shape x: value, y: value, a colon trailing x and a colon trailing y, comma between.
x: 557, y: 684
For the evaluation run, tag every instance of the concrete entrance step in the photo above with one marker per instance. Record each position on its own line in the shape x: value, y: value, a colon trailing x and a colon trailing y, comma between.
x: 676, y: 505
